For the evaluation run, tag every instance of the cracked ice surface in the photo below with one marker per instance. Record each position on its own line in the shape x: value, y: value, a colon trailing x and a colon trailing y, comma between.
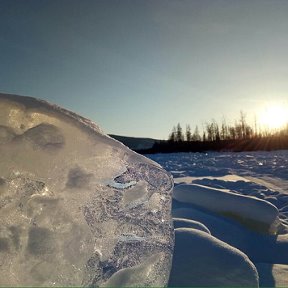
x: 77, y: 208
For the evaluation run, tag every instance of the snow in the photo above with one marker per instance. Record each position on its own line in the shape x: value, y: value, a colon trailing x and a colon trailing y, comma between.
x: 253, y: 188
x: 78, y: 208
x: 273, y: 275
x: 256, y: 213
x: 204, y: 260
x: 186, y: 223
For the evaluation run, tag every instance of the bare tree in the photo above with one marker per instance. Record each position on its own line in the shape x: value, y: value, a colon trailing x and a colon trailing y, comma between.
x: 224, y: 135
x: 212, y: 129
x: 255, y: 126
x: 242, y: 125
x: 232, y: 132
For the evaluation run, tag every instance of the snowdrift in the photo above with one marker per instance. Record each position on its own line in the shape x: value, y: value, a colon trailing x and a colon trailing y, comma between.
x: 255, y: 213
x: 203, y: 260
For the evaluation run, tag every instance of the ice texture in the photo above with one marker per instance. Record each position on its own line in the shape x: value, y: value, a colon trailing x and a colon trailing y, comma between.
x: 78, y: 208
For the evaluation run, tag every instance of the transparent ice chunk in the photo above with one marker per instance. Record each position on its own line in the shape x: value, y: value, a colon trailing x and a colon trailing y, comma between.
x: 77, y: 208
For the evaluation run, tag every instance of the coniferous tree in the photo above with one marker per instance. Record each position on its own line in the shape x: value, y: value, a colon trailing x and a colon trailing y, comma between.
x: 172, y: 136
x: 179, y: 133
x: 204, y: 137
x: 196, y: 136
x: 209, y: 130
x: 188, y: 133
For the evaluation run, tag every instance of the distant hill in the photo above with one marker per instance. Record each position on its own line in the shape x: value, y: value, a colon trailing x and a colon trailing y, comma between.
x: 151, y: 146
x: 135, y: 143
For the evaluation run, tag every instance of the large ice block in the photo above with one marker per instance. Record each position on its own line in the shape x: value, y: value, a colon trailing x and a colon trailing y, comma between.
x: 78, y: 208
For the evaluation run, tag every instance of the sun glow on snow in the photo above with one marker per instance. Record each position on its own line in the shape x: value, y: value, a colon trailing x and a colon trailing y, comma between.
x: 274, y: 116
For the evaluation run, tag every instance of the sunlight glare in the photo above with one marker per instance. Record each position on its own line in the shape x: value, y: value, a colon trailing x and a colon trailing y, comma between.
x: 274, y: 116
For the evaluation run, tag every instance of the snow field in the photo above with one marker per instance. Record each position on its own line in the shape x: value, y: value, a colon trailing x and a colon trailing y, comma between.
x: 235, y: 196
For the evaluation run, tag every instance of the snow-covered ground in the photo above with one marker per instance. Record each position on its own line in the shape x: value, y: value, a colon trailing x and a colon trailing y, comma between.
x: 231, y: 218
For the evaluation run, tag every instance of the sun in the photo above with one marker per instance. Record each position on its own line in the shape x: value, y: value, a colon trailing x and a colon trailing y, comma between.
x: 274, y: 116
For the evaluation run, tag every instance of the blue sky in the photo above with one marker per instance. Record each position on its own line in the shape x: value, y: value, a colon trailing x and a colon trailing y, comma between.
x: 139, y: 67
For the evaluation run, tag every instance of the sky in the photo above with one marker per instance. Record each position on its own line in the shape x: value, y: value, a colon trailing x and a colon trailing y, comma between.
x: 137, y: 68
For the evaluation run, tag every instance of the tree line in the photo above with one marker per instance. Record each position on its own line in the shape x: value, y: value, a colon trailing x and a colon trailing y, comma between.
x: 222, y: 137
x: 212, y: 131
